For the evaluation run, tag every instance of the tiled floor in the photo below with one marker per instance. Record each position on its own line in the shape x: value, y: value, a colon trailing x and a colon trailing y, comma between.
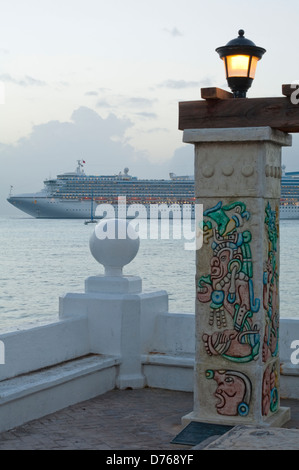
x: 118, y: 420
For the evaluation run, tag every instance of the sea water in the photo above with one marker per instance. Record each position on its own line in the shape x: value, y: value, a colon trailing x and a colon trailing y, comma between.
x: 42, y: 259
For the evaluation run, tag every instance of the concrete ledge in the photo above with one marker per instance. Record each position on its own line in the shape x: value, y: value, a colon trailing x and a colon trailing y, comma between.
x: 31, y: 396
x: 169, y: 372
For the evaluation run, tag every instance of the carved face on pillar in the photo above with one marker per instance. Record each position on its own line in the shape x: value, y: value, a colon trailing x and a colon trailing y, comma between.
x: 233, y: 392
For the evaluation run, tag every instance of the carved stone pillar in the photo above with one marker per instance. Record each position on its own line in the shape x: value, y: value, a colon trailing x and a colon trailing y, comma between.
x: 237, y: 179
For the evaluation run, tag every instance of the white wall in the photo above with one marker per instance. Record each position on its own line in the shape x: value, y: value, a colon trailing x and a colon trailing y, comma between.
x: 42, y: 346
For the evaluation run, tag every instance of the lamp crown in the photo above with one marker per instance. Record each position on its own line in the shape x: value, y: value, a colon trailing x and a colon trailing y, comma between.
x: 240, y: 45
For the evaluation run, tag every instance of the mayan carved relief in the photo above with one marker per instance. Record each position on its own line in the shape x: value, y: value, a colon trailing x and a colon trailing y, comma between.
x: 229, y: 286
x: 270, y: 286
x: 270, y: 397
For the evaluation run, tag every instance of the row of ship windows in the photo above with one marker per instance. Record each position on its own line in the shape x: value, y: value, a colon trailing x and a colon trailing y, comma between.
x: 122, y: 188
x: 138, y: 201
x: 161, y: 201
x: 123, y: 194
x: 119, y: 181
x: 144, y: 202
x: 132, y: 189
x: 115, y: 195
x: 142, y: 196
x: 73, y: 210
x: 93, y: 178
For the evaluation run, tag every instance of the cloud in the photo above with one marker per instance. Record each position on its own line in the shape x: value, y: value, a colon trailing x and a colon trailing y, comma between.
x: 129, y: 103
x: 91, y: 93
x: 63, y: 83
x: 153, y: 130
x: 182, y: 161
x: 174, y: 32
x: 146, y: 115
x: 27, y: 81
x: 103, y: 104
x: 139, y: 102
x: 30, y: 81
x: 54, y: 147
x: 104, y: 90
x: 178, y: 84
x: 207, y: 81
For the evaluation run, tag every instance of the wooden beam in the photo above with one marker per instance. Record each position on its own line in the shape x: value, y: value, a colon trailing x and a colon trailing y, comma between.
x: 214, y: 93
x: 278, y: 113
x: 287, y: 90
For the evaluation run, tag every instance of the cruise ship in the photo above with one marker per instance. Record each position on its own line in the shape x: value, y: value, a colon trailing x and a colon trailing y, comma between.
x: 79, y: 196
x: 289, y: 198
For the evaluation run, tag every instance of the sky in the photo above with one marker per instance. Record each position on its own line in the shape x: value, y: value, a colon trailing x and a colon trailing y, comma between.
x: 101, y: 81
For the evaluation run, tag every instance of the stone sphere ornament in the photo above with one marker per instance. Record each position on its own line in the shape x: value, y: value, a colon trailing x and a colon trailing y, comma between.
x: 114, y: 243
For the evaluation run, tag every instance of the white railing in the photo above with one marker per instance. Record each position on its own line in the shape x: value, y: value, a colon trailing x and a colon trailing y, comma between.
x: 112, y: 335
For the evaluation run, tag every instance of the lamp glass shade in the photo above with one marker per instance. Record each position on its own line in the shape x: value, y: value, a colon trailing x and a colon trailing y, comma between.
x: 237, y: 65
x: 240, y: 66
x: 254, y: 61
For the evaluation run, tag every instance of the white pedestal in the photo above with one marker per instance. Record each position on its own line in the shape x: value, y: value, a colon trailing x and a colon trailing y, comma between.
x: 121, y: 321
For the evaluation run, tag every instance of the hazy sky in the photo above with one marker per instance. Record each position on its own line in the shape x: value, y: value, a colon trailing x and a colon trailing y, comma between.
x: 101, y: 80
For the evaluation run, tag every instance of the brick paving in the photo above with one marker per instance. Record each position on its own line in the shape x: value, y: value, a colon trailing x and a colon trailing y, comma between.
x: 118, y: 420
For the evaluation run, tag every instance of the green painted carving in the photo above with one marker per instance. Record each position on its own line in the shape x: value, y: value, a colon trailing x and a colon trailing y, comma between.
x: 271, y: 286
x: 229, y: 286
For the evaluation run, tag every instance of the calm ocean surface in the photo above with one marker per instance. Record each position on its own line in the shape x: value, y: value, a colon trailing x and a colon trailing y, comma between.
x: 42, y: 259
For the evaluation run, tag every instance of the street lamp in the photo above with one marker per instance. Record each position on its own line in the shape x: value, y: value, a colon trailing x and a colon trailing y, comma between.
x: 240, y: 58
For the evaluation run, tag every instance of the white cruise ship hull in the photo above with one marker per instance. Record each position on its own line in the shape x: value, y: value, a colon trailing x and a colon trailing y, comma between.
x: 289, y: 211
x: 50, y: 208
x: 75, y: 195
x: 54, y: 208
